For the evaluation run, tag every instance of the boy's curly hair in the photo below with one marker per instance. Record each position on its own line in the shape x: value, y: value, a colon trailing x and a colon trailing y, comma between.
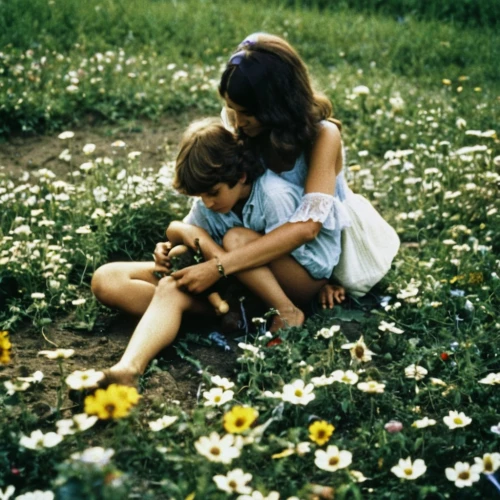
x: 210, y: 154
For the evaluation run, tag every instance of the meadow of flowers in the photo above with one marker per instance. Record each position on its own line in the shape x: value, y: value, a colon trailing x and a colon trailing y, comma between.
x: 398, y: 400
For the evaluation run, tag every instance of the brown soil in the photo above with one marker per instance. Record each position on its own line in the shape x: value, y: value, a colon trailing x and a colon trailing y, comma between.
x: 171, y: 379
x: 156, y: 140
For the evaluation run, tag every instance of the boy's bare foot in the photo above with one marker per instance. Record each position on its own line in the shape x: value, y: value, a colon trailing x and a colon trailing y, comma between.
x: 287, y: 318
x: 331, y: 294
x: 118, y: 375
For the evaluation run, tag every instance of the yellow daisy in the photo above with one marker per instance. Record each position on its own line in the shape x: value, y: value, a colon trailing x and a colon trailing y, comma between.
x: 239, y: 419
x: 320, y: 431
x: 114, y: 402
x: 5, y: 347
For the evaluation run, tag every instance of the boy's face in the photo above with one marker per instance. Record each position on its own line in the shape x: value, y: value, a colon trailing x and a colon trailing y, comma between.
x: 242, y: 119
x: 221, y: 198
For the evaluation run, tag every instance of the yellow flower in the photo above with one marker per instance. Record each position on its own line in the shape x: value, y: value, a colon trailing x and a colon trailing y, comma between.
x: 320, y: 431
x: 446, y: 81
x: 5, y: 347
x: 239, y: 419
x: 114, y: 402
x: 475, y: 278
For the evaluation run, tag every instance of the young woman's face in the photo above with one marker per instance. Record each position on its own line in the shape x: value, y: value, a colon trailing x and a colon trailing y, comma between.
x: 246, y: 122
x: 221, y: 198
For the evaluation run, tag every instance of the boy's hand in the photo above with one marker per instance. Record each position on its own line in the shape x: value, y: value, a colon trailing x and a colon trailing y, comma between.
x: 161, y: 257
x: 196, y: 279
x: 331, y: 294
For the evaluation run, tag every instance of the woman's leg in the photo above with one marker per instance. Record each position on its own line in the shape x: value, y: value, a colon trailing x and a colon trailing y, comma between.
x: 156, y: 330
x: 281, y: 285
x: 128, y: 286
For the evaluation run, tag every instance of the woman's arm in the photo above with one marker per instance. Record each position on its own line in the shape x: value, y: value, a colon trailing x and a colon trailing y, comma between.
x: 323, y: 165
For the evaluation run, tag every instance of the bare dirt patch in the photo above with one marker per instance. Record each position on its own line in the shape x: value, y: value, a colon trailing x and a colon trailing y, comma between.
x: 155, y: 140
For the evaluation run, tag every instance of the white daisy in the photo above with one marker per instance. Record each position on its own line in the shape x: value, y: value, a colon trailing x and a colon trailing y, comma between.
x: 96, y: 455
x: 455, y: 420
x: 38, y: 440
x: 35, y: 378
x: 408, y: 470
x: 423, y: 423
x: 491, y: 379
x: 218, y: 449
x: 463, y: 474
x: 85, y: 379
x: 327, y: 333
x: 332, y: 458
x: 16, y: 386
x: 371, y: 387
x: 489, y: 464
x: 36, y: 495
x: 222, y: 382
x: 415, y: 371
x: 298, y: 393
x: 57, y: 354
x: 235, y: 481
x: 359, y: 351
x: 217, y: 396
x: 389, y: 327
x: 345, y: 377
x: 162, y: 423
x: 79, y: 423
x: 9, y: 491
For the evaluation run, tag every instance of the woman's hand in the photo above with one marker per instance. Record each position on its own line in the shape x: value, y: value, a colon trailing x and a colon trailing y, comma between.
x: 331, y: 294
x: 161, y: 257
x: 196, y: 279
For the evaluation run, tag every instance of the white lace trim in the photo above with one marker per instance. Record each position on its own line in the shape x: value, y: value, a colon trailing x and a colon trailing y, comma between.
x: 324, y: 208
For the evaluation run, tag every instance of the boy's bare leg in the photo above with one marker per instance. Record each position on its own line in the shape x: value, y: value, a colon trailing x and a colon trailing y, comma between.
x: 156, y: 330
x: 128, y: 286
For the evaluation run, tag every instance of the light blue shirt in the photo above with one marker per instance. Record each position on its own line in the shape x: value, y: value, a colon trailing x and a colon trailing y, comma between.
x: 271, y: 203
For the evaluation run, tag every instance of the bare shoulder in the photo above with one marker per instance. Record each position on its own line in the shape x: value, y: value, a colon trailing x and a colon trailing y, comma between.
x: 328, y: 131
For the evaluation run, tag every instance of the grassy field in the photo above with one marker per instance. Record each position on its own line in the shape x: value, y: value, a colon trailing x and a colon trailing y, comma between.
x: 419, y: 101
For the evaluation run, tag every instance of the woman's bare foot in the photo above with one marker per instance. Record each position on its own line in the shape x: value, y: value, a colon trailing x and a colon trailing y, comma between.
x: 331, y: 294
x: 287, y: 318
x: 119, y: 375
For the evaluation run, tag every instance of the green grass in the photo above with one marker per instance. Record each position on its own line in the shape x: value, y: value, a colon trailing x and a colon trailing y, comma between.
x: 47, y: 41
x: 422, y: 146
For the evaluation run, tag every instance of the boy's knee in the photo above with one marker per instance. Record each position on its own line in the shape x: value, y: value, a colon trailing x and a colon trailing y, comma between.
x: 166, y: 286
x: 103, y: 282
x: 237, y: 237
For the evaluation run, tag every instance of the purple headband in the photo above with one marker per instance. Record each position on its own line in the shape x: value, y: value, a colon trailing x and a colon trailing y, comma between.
x: 254, y: 68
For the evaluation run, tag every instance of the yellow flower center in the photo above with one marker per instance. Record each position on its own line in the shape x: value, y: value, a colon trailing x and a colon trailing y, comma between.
x: 215, y: 450
x: 333, y: 461
x: 458, y: 421
x: 464, y: 475
x: 359, y: 351
x: 239, y: 422
x: 110, y: 408
x: 217, y: 399
x: 408, y: 472
x: 298, y: 393
x: 232, y: 484
x: 488, y: 464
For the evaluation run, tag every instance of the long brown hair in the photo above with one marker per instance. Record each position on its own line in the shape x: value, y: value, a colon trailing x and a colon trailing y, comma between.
x: 267, y: 77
